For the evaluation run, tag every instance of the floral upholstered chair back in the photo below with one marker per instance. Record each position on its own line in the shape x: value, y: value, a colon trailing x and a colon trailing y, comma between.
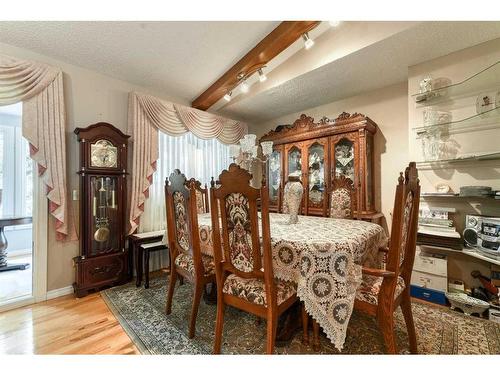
x: 235, y: 216
x: 404, y: 223
x: 342, y: 198
x: 178, y: 213
x: 201, y: 196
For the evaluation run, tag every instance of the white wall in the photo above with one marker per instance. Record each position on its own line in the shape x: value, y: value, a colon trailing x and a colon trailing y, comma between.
x: 389, y: 109
x: 458, y: 66
x: 90, y: 97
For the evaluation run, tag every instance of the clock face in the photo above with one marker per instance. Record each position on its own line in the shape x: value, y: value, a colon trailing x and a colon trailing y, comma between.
x: 103, y: 154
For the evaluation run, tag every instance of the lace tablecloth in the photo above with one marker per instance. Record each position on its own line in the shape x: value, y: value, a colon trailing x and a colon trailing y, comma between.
x: 324, y: 257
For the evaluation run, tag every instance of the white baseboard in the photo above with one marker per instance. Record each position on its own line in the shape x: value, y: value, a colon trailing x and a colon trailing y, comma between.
x: 60, y: 292
x: 14, y: 303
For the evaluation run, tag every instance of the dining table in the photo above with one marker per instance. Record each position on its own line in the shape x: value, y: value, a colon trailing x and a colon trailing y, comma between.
x: 324, y: 257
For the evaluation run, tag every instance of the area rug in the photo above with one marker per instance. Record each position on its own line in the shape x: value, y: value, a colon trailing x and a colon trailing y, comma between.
x: 141, y: 312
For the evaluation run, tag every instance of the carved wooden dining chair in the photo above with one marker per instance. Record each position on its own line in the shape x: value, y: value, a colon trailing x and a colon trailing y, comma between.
x: 342, y: 198
x: 243, y: 264
x: 186, y: 259
x: 382, y: 291
x: 201, y: 196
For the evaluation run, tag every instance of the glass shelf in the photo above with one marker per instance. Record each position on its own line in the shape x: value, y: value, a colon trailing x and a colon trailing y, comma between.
x: 481, y: 121
x: 455, y: 196
x: 461, y: 159
x: 485, y: 80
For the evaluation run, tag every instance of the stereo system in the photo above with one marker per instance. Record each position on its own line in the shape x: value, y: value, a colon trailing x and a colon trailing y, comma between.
x: 483, y: 233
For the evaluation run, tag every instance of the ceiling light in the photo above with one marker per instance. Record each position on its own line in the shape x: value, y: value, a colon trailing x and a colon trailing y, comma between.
x: 334, y: 23
x: 262, y: 76
x: 244, y: 86
x: 227, y: 97
x: 308, y: 42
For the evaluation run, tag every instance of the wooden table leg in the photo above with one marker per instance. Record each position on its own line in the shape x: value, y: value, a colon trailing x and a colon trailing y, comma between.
x: 316, y: 344
x: 305, y: 326
x: 210, y: 296
x: 289, y: 323
x: 146, y: 269
x: 138, y: 265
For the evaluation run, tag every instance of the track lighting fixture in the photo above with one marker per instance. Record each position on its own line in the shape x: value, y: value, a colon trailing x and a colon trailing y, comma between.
x: 244, y: 86
x: 227, y: 97
x: 308, y: 42
x: 262, y: 76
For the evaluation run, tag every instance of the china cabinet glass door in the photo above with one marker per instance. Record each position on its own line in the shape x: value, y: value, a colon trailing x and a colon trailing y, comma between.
x: 294, y: 162
x: 344, y: 158
x: 316, y: 174
x: 104, y: 219
x: 345, y: 161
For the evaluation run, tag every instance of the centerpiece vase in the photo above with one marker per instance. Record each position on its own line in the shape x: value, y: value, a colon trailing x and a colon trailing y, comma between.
x: 293, y: 196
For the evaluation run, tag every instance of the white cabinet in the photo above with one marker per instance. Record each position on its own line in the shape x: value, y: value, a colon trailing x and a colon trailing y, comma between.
x: 430, y: 271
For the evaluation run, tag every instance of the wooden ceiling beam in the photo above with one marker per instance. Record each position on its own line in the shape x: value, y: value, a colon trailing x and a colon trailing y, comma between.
x: 268, y: 48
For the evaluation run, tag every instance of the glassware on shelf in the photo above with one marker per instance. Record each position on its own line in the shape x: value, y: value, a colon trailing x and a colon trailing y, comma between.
x: 431, y: 144
x: 482, y: 156
x: 431, y: 117
x: 485, y: 80
x: 425, y: 84
x: 486, y: 120
x: 437, y: 145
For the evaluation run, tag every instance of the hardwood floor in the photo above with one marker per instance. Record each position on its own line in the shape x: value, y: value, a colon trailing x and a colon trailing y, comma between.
x: 65, y: 325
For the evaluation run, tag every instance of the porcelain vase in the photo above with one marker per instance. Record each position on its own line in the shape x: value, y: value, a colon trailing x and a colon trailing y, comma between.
x: 293, y: 196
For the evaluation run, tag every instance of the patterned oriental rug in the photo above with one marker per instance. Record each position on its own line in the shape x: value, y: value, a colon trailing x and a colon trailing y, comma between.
x: 141, y: 312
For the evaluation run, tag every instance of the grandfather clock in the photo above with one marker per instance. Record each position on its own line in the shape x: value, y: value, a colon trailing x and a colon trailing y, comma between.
x: 103, y: 259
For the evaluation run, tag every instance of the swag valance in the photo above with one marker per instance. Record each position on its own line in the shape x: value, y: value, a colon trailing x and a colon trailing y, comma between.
x: 148, y: 115
x: 40, y: 88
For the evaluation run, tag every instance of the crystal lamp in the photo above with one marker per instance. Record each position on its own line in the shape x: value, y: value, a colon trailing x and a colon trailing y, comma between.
x: 247, y: 152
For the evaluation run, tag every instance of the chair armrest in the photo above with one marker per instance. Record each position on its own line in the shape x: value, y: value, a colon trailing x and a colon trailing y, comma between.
x: 378, y: 272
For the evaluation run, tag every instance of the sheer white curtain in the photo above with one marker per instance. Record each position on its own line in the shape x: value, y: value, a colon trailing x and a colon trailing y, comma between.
x: 195, y: 157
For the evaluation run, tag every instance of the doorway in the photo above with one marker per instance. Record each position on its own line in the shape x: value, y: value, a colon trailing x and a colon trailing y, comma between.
x: 16, y: 209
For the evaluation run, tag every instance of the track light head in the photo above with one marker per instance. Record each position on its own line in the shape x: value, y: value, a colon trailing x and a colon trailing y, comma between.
x: 227, y: 97
x: 308, y: 42
x: 262, y: 76
x: 244, y: 86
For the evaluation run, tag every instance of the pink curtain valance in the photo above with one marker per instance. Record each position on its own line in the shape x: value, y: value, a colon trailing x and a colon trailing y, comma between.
x: 147, y: 116
x: 40, y: 88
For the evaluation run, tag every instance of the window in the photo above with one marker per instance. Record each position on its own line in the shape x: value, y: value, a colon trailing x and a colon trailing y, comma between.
x: 16, y: 178
x: 195, y: 157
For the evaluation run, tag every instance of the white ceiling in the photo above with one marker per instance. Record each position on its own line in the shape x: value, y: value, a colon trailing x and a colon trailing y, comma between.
x: 378, y: 65
x: 181, y: 59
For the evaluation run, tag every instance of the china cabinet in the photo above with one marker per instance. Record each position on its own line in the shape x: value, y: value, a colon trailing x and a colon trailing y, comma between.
x: 317, y: 152
x: 103, y: 164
